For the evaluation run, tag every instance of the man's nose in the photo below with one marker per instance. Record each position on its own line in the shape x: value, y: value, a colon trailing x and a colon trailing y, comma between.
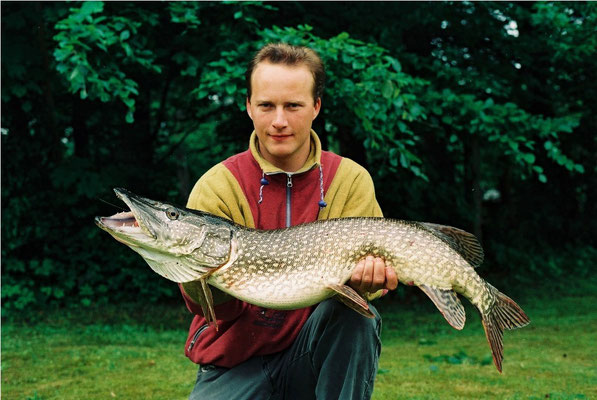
x: 280, y: 121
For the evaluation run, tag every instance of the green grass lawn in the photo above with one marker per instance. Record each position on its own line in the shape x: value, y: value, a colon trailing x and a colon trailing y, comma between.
x: 554, y: 357
x: 119, y: 352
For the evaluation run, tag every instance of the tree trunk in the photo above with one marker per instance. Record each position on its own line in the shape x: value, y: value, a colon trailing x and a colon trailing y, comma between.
x: 80, y: 133
x: 475, y: 185
x: 182, y: 172
x: 49, y: 114
x: 351, y: 147
x: 319, y: 127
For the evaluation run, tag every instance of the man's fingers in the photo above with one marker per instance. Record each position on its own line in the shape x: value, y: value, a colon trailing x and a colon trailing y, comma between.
x: 391, y: 278
x: 379, y: 275
x: 357, y: 275
x: 367, y: 278
x: 372, y: 274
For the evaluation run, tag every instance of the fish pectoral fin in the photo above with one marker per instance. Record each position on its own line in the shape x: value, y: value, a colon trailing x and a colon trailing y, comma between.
x: 177, y: 271
x: 447, y: 302
x: 352, y: 299
x: 207, y: 304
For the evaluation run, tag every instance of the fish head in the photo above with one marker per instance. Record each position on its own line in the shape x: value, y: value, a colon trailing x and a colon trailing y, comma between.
x: 163, y: 233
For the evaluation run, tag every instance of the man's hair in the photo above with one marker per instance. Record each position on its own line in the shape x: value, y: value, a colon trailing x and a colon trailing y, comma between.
x: 282, y: 53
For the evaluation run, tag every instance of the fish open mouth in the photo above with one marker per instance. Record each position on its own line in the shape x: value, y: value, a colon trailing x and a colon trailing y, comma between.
x: 129, y: 225
x: 120, y: 221
x: 122, y: 226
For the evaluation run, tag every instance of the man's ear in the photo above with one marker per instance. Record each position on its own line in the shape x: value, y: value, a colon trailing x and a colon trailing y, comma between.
x: 248, y: 105
x: 317, y: 107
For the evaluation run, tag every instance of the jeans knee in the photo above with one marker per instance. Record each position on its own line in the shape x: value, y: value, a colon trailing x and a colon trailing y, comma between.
x: 337, y: 329
x: 349, y: 321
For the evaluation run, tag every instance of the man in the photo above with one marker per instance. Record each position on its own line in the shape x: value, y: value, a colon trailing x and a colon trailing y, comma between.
x: 326, y: 351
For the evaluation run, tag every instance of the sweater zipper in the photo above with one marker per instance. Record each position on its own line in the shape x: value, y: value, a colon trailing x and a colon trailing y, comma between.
x: 288, y: 190
x: 196, y: 336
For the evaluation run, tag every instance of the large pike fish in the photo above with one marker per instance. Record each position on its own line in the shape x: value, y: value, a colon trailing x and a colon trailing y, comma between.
x: 300, y: 266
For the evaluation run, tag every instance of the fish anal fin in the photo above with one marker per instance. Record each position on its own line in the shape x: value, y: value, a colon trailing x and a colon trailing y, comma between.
x: 447, y: 302
x: 466, y: 244
x: 352, y: 299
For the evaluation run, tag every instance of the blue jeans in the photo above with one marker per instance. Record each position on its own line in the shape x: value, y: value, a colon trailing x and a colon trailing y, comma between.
x: 335, y: 356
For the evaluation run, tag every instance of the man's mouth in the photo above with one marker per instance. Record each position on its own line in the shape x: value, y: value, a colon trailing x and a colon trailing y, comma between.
x: 280, y: 137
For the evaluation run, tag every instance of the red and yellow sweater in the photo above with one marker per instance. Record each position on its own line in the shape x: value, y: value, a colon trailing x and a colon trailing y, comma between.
x: 233, y: 189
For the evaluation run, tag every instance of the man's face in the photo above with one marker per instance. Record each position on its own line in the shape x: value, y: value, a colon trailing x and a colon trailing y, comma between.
x: 282, y: 109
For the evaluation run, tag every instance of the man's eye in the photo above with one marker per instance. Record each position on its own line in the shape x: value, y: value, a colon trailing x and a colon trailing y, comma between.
x: 294, y: 105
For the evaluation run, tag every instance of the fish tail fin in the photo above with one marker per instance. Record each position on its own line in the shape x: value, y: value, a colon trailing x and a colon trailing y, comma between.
x: 504, y: 314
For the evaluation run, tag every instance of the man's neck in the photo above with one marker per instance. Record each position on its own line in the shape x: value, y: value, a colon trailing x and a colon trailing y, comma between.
x: 291, y: 163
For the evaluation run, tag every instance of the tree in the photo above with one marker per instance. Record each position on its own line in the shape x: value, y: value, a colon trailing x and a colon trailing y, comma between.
x: 478, y: 115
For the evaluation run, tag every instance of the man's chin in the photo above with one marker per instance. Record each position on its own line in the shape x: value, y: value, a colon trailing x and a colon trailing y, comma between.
x: 280, y: 148
x: 280, y: 152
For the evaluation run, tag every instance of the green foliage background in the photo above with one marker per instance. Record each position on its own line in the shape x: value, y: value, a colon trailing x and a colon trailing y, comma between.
x: 477, y: 115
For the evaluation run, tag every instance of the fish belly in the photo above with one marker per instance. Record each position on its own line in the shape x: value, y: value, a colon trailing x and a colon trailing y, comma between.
x: 281, y: 291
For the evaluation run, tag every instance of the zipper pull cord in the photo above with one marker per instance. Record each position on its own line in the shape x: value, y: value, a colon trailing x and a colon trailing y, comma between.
x: 321, y: 203
x: 263, y: 183
x: 288, y: 194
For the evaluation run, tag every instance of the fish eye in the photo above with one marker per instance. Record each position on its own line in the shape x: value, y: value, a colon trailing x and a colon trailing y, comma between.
x: 172, y: 213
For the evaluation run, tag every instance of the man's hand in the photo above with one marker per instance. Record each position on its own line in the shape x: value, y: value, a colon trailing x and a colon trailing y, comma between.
x: 372, y: 274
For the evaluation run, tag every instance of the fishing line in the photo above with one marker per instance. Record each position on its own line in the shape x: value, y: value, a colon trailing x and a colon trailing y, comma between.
x: 113, y: 205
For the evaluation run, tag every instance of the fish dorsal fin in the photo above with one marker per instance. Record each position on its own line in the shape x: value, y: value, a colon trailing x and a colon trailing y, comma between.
x: 466, y: 244
x: 352, y: 299
x: 447, y: 302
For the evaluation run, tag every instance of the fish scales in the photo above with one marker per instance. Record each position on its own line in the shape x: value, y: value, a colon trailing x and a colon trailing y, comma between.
x: 305, y: 264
